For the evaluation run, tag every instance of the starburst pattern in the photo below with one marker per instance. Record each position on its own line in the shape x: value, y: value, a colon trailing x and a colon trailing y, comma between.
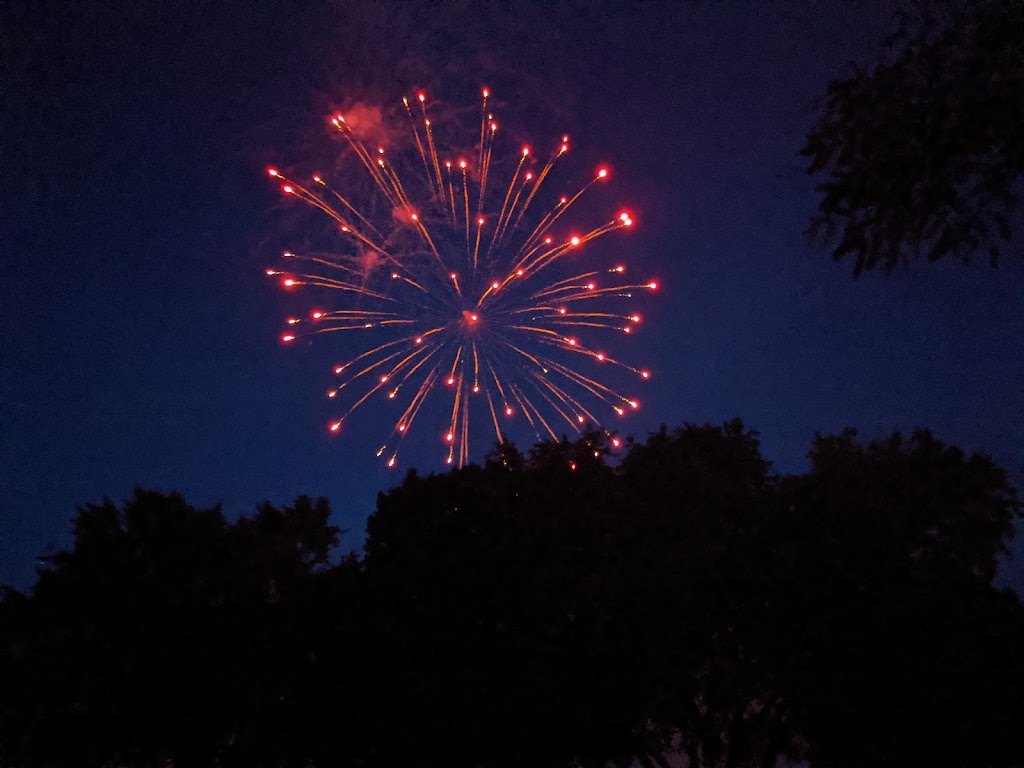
x: 462, y: 288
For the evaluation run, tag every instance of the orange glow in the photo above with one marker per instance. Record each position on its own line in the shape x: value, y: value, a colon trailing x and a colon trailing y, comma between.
x: 521, y: 354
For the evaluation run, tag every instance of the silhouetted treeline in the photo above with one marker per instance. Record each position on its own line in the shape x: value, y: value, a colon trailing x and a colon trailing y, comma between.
x: 546, y: 609
x: 920, y: 155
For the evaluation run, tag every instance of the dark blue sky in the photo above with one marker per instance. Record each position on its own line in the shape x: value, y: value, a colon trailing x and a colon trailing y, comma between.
x: 139, y: 336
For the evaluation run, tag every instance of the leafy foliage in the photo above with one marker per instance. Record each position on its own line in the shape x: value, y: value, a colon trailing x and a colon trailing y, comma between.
x: 893, y: 627
x: 923, y: 155
x: 549, y: 608
x: 164, y: 632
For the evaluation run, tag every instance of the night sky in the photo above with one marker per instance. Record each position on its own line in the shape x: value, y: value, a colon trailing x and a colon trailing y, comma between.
x: 139, y: 336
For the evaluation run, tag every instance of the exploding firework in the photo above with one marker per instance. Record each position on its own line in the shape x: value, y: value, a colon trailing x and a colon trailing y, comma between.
x: 461, y: 287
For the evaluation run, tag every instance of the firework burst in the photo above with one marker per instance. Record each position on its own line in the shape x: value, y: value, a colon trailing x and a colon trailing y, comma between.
x: 459, y: 287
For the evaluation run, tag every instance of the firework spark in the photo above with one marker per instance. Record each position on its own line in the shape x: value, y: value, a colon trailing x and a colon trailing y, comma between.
x: 458, y: 288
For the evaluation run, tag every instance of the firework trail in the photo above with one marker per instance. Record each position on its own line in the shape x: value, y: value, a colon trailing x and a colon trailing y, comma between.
x: 458, y: 288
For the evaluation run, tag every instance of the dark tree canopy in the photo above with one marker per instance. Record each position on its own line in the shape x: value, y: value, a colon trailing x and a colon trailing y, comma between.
x: 895, y: 629
x: 551, y: 608
x: 164, y: 633
x: 923, y: 155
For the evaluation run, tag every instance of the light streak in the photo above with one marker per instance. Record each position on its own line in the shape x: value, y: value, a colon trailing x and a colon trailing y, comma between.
x: 445, y: 302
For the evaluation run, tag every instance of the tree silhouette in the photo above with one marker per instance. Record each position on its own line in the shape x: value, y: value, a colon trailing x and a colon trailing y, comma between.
x: 896, y: 648
x: 164, y: 633
x: 703, y: 492
x: 922, y: 156
x: 554, y: 607
x: 500, y: 589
